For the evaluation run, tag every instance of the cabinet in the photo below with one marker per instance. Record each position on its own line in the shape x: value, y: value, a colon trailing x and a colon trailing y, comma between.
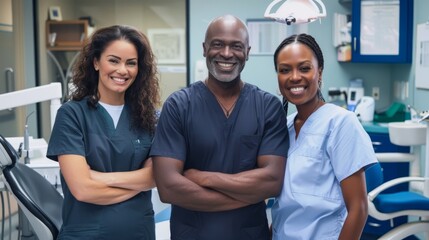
x: 382, y: 31
x: 66, y: 35
x: 65, y: 38
x: 391, y: 170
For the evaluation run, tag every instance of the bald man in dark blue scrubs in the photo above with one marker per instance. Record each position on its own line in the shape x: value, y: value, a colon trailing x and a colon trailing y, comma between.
x: 220, y: 146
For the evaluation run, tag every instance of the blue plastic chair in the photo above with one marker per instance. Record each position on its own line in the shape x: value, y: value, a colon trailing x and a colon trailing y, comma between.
x: 386, y: 206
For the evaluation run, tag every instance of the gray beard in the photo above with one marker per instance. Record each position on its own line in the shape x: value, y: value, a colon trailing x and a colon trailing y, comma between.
x: 219, y: 77
x: 225, y: 79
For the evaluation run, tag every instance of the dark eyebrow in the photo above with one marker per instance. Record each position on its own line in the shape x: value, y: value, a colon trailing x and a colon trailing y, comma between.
x: 284, y: 64
x: 299, y: 64
x: 113, y: 56
x: 120, y: 58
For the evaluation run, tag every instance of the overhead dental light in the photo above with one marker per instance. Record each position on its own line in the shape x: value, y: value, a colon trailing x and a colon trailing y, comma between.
x: 296, y: 11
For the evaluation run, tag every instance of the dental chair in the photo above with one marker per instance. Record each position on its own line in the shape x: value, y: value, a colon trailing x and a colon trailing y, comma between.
x: 387, y: 206
x: 38, y: 200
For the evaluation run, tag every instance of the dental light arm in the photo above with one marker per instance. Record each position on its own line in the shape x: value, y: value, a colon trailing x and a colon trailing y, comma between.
x: 296, y: 11
x: 32, y: 95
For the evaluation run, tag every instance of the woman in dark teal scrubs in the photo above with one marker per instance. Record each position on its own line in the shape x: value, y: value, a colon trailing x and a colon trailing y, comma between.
x: 102, y: 136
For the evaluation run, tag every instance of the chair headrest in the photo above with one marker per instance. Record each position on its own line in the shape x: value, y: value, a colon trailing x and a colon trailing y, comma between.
x: 8, y: 155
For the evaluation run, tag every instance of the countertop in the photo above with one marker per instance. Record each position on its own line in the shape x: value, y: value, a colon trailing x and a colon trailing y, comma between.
x: 375, y: 127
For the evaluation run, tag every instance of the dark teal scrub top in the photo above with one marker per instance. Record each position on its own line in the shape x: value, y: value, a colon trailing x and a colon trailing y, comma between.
x: 193, y: 128
x: 90, y: 132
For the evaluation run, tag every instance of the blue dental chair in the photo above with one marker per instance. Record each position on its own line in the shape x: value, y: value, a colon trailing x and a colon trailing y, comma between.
x: 39, y: 201
x: 387, y: 206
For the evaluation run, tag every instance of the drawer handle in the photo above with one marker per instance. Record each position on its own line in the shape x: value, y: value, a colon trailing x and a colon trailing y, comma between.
x: 377, y: 143
x: 373, y: 224
x: 354, y: 44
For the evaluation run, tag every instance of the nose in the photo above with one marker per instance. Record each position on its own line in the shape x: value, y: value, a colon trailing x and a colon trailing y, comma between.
x: 226, y: 52
x: 121, y: 69
x: 295, y: 75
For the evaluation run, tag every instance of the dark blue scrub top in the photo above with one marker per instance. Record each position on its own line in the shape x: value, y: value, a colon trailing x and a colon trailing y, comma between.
x: 193, y: 128
x: 90, y: 133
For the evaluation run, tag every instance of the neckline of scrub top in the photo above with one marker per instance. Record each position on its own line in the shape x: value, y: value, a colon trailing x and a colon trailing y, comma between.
x: 108, y: 121
x: 214, y: 101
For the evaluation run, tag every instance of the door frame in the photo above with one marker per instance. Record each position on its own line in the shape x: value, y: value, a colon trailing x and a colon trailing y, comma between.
x: 25, y: 64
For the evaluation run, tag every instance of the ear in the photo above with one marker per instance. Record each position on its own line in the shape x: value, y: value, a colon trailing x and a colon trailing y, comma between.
x: 204, y: 49
x: 96, y: 64
x: 248, y: 51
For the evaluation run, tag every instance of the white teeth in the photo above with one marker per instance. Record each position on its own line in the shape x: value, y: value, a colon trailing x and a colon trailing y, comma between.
x: 296, y: 89
x: 225, y: 64
x: 118, y: 79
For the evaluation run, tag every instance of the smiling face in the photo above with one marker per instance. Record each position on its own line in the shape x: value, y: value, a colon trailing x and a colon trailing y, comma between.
x: 298, y: 74
x: 117, y: 68
x: 226, y: 49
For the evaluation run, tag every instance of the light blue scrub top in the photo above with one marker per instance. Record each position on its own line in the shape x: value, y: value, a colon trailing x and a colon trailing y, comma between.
x: 331, y: 146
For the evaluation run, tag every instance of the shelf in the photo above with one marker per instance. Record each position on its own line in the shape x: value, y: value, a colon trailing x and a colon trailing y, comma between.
x: 64, y: 48
x: 69, y: 35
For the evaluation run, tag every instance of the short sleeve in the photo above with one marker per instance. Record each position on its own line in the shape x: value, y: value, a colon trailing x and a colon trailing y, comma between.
x: 275, y: 139
x: 351, y: 148
x: 67, y: 134
x: 169, y: 140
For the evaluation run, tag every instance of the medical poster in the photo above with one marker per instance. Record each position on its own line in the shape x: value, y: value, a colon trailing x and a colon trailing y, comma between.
x: 379, y: 32
x: 265, y: 35
x: 422, y: 56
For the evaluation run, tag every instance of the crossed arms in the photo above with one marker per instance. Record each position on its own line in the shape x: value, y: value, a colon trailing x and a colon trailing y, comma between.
x: 214, y: 191
x: 101, y: 188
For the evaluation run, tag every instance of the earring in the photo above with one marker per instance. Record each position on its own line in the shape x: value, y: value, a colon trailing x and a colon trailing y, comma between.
x: 96, y: 69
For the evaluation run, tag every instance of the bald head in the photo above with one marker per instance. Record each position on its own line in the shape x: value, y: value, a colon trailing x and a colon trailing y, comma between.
x: 227, y: 23
x: 226, y: 48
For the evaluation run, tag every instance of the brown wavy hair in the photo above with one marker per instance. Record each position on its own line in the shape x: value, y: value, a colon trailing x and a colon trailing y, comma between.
x: 142, y: 96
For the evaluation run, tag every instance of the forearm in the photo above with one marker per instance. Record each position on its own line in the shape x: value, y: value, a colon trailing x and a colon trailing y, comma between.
x: 186, y: 194
x: 354, y: 224
x: 176, y: 189
x: 101, y: 194
x: 76, y: 173
x: 138, y: 180
x: 249, y: 186
x: 355, y: 198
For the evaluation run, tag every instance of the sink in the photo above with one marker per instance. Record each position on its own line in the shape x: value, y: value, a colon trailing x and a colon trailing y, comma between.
x: 407, y: 133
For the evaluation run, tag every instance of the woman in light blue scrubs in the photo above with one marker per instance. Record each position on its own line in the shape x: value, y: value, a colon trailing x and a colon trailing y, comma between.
x: 102, y: 136
x: 324, y: 191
